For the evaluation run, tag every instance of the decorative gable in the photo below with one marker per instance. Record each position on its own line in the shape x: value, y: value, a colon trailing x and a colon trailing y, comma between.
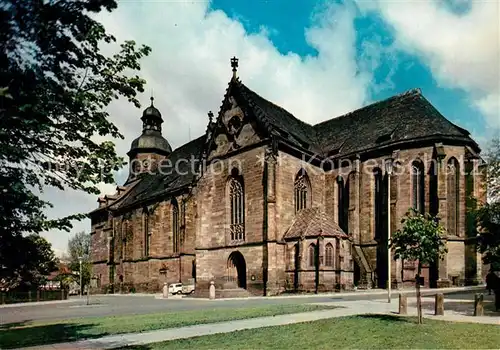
x: 234, y: 129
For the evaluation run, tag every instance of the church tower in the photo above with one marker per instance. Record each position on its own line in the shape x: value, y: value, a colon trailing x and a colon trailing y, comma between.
x: 151, y: 147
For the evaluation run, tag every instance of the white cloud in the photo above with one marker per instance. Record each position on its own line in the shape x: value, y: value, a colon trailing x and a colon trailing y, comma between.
x: 462, y: 49
x: 188, y: 70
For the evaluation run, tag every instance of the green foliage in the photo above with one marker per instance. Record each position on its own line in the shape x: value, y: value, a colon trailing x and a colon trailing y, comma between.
x: 38, y: 333
x: 352, y: 332
x: 30, y: 259
x: 55, y: 86
x: 79, y: 247
x: 492, y: 157
x: 419, y: 239
x: 488, y: 222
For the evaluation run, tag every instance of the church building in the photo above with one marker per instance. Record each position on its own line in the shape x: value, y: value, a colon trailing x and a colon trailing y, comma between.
x: 264, y: 203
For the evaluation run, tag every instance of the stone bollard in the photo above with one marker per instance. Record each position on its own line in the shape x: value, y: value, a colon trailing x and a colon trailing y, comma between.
x: 403, y: 304
x: 165, y: 290
x: 478, y: 305
x: 439, y: 305
x: 211, y: 291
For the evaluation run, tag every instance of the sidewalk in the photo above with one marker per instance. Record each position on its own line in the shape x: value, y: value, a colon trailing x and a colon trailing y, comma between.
x: 346, y: 308
x: 381, y: 292
x: 36, y: 303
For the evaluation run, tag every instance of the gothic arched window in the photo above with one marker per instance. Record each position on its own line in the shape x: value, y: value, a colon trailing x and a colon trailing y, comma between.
x: 417, y: 186
x: 379, y: 200
x: 126, y: 236
x: 312, y: 255
x: 343, y: 203
x: 122, y: 229
x: 147, y: 236
x: 329, y: 255
x: 452, y: 196
x: 237, y: 207
x: 433, y: 188
x: 287, y: 257
x: 175, y: 226
x: 337, y: 254
x: 302, y: 191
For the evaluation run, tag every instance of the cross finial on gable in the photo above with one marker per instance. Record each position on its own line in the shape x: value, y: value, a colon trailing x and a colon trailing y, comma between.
x: 210, y: 117
x: 234, y: 65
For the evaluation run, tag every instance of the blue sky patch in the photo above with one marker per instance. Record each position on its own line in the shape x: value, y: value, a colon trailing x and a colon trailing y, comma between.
x: 393, y: 71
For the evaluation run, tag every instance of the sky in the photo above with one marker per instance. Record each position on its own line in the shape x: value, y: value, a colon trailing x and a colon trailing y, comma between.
x: 317, y: 59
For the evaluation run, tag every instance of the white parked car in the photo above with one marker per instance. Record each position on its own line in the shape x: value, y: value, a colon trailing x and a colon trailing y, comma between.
x: 175, y: 288
x: 188, y: 289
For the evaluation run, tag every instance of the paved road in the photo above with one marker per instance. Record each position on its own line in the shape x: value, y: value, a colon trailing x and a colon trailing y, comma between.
x: 129, y: 305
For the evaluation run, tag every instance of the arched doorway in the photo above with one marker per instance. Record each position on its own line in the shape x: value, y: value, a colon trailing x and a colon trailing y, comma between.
x: 237, y: 269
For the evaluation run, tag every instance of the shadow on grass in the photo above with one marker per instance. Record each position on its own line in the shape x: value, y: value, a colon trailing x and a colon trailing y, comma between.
x: 22, y: 335
x: 13, y: 325
x: 387, y: 318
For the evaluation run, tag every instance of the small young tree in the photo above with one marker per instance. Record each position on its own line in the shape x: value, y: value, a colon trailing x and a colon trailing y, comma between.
x: 419, y: 240
x: 79, y: 248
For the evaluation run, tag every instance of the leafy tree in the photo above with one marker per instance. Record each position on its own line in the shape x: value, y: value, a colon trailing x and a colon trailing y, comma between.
x: 79, y: 247
x: 55, y: 85
x: 419, y: 240
x: 30, y: 261
x: 492, y: 156
x: 488, y: 222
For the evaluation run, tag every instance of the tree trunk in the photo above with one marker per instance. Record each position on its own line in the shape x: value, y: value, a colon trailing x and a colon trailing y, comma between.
x: 419, y: 296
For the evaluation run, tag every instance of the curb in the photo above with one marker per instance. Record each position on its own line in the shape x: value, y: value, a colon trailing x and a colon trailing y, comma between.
x: 38, y: 303
x: 381, y: 292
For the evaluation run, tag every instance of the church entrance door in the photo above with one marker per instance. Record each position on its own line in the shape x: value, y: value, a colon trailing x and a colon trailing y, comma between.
x: 237, y: 269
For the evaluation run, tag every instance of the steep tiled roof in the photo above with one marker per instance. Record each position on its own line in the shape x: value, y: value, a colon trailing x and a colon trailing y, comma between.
x: 172, y: 176
x: 312, y: 222
x: 405, y: 117
x: 400, y: 118
x: 278, y: 117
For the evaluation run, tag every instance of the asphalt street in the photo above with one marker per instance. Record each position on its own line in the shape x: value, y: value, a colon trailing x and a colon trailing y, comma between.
x: 115, y: 305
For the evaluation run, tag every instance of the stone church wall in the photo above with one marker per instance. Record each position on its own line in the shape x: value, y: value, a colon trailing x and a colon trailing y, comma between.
x: 213, y: 210
x: 288, y: 167
x: 212, y: 265
x: 213, y: 205
x: 206, y: 231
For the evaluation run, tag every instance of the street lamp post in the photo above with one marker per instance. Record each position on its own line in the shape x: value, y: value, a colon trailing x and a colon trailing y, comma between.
x: 80, y: 258
x: 388, y: 169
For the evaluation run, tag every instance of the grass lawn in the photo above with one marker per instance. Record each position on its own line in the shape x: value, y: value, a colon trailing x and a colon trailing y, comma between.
x: 37, y: 333
x: 355, y: 332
